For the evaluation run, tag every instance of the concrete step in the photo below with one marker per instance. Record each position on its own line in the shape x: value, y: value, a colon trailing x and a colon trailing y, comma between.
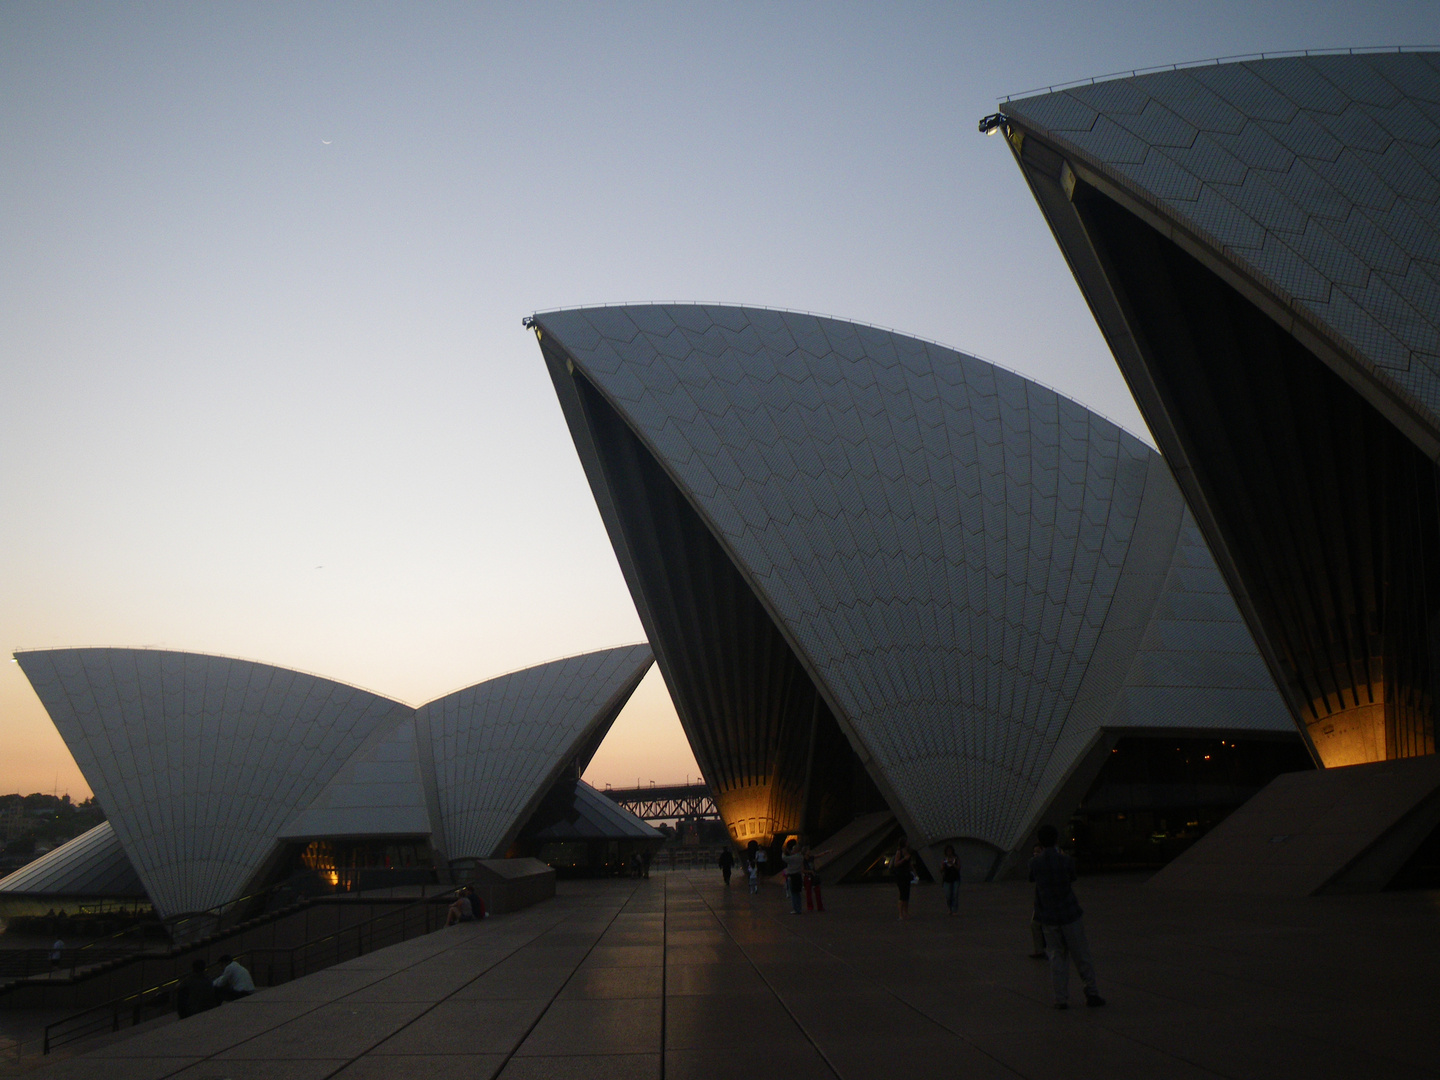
x: 1347, y: 829
x: 853, y: 845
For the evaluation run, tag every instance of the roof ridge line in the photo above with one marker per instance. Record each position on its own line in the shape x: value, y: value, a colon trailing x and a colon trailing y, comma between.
x: 867, y: 325
x: 1280, y: 54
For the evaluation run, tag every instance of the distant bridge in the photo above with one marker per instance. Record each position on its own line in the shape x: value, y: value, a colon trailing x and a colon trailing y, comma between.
x: 666, y: 803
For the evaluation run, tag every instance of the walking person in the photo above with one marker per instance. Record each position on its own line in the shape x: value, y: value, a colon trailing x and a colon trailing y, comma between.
x: 727, y: 862
x: 813, y: 900
x: 794, y: 874
x: 1037, y: 929
x: 950, y: 879
x: 1052, y: 871
x: 752, y: 866
x: 902, y: 869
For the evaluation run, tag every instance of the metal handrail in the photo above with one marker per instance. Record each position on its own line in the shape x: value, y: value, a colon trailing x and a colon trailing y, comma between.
x: 22, y: 963
x: 109, y: 1016
x: 1361, y: 50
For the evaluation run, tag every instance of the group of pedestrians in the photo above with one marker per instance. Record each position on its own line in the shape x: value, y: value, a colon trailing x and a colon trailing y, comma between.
x: 197, y: 992
x: 801, y: 877
x: 1057, y: 921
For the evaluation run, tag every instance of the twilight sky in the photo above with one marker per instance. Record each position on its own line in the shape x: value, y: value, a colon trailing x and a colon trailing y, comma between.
x: 264, y: 389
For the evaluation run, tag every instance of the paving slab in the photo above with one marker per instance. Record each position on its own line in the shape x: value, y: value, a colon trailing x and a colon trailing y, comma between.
x: 678, y: 977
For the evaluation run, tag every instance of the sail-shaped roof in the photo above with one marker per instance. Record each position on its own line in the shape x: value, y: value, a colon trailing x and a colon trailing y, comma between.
x: 1259, y: 241
x: 199, y: 761
x: 498, y: 746
x: 205, y: 764
x: 973, y: 569
x: 380, y: 791
x: 92, y: 864
x: 1315, y: 177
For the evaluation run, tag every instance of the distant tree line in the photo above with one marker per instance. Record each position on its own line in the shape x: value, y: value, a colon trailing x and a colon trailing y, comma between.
x: 44, y: 820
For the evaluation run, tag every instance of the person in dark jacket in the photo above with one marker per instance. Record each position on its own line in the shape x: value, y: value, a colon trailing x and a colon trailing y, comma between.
x: 195, y: 993
x: 1037, y: 929
x: 1061, y: 918
x: 727, y: 863
x: 950, y: 879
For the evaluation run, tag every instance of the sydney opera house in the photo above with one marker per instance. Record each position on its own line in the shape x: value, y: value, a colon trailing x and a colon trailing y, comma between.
x: 1260, y: 244
x: 219, y: 776
x: 882, y: 577
x: 894, y: 588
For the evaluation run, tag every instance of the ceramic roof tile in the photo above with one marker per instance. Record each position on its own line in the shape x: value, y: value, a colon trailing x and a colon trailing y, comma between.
x: 841, y: 533
x: 1359, y: 198
x: 533, y: 722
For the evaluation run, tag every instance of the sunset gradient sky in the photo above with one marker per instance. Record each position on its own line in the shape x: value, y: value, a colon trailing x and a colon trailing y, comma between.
x: 264, y: 389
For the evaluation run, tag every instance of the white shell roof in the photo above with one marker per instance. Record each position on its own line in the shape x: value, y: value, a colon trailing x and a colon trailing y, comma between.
x: 92, y: 864
x: 204, y: 763
x: 199, y: 761
x: 941, y: 541
x: 498, y: 746
x: 1319, y: 176
x: 378, y: 792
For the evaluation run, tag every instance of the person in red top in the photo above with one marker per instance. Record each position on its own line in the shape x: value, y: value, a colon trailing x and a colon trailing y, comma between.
x: 813, y: 900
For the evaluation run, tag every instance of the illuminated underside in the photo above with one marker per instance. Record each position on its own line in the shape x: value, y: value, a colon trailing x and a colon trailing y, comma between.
x: 1321, y: 511
x: 768, y: 746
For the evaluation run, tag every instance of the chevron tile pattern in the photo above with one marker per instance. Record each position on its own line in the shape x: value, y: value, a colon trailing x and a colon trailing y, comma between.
x: 204, y: 763
x: 497, y: 746
x: 199, y: 761
x: 942, y: 540
x: 1320, y: 175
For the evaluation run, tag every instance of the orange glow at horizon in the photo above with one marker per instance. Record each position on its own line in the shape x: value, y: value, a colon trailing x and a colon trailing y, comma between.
x: 645, y: 742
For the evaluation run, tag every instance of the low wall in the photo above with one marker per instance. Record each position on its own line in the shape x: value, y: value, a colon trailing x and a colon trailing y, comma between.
x: 1345, y: 829
x: 509, y: 884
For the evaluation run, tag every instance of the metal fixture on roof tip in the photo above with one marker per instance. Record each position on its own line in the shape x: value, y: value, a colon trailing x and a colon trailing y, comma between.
x: 989, y: 125
x: 528, y: 322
